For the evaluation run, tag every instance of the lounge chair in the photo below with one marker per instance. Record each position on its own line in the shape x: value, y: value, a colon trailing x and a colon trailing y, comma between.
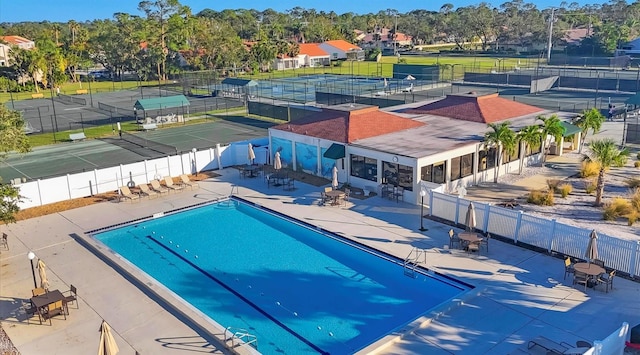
x: 549, y: 345
x: 126, y: 193
x: 73, y: 296
x: 144, y: 188
x: 187, y: 182
x: 168, y: 181
x: 155, y: 185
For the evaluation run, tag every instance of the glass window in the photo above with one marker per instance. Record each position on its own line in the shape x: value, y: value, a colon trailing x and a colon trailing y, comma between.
x: 487, y: 159
x: 364, y: 168
x: 536, y: 150
x: 397, y: 175
x: 512, y: 157
x: 461, y: 166
x: 434, y: 173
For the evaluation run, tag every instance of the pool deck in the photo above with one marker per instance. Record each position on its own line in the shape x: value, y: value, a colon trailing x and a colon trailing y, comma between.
x: 519, y: 294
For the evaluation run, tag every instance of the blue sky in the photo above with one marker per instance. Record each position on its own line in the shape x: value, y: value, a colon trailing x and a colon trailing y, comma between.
x: 82, y: 10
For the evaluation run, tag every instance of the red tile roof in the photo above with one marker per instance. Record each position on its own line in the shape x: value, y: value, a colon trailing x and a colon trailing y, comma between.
x: 476, y: 108
x: 342, y: 45
x: 349, y: 126
x: 15, y: 40
x: 312, y: 50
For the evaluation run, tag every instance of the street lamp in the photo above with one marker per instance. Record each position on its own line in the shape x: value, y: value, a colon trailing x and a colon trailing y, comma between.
x: 195, y: 162
x: 423, y: 192
x: 31, y: 255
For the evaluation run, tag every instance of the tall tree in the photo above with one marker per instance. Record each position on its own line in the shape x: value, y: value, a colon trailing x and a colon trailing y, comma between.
x: 530, y: 137
x: 501, y: 137
x: 551, y: 126
x: 605, y: 152
x: 589, y: 120
x: 159, y: 12
x: 12, y: 139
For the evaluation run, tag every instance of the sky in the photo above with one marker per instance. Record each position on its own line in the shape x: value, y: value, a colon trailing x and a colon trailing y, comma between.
x: 87, y: 10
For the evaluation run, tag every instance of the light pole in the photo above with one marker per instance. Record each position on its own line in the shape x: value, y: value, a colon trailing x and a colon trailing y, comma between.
x: 31, y: 255
x: 423, y: 192
x: 195, y: 162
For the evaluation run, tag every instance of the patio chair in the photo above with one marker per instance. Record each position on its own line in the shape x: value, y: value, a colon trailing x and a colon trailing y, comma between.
x: 73, y: 296
x: 580, y: 278
x: 38, y: 291
x: 55, y: 309
x: 324, y: 196
x: 607, y: 280
x: 4, y: 242
x: 345, y: 198
x: 168, y: 181
x: 155, y: 185
x: 568, y: 267
x: 598, y: 262
x: 127, y: 194
x: 288, y: 184
x: 398, y: 193
x: 144, y: 188
x: 187, y: 182
x: 484, y: 243
x: 29, y: 310
x: 454, y: 239
x: 473, y: 247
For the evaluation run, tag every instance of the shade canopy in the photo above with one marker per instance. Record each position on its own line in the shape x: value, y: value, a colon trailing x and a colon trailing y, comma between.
x: 158, y: 103
x: 410, y: 77
x: 239, y: 82
x: 42, y: 272
x: 108, y: 345
x: 569, y: 129
x: 335, y: 151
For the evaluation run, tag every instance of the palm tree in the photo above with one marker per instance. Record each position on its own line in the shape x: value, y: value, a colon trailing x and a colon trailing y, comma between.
x: 503, y: 139
x: 605, y: 152
x: 589, y: 120
x: 530, y: 137
x: 551, y: 126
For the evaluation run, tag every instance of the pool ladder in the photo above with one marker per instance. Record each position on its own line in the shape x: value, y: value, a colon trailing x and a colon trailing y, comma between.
x: 240, y: 337
x: 415, y: 257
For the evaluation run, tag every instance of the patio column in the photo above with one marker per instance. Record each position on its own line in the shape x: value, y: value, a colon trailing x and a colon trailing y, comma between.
x: 476, y: 164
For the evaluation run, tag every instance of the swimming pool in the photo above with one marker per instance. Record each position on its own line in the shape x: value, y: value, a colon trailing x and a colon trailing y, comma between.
x: 297, y: 289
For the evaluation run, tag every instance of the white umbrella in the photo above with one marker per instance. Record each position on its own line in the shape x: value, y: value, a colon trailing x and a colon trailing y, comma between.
x: 592, y: 248
x: 108, y: 345
x: 252, y: 154
x: 470, y: 220
x: 410, y: 77
x: 44, y: 283
x: 277, y: 164
x: 334, y: 177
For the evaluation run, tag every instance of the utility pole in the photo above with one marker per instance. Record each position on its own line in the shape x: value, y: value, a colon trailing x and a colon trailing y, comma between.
x: 550, y: 35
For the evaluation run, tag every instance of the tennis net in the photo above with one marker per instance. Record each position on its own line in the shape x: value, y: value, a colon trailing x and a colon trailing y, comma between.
x: 148, y: 144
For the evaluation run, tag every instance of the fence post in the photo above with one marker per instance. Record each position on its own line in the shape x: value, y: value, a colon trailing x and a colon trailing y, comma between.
x: 552, y: 235
x: 634, y: 257
x: 457, y: 209
x: 218, y: 156
x: 518, y: 224
x: 431, y: 202
x: 487, y: 213
x: 68, y: 187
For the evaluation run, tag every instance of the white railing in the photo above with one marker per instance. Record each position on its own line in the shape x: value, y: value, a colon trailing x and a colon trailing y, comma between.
x: 550, y: 235
x: 45, y: 191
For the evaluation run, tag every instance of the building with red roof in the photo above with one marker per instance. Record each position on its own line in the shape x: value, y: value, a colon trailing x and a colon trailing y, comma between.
x: 7, y: 43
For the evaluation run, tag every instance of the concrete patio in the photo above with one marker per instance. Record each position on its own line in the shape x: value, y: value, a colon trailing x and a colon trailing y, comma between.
x: 519, y: 294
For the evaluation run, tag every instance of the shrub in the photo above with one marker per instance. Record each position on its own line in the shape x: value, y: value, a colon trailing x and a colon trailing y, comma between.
x: 541, y: 197
x: 633, y: 182
x: 564, y: 189
x: 553, y: 184
x: 589, y: 168
x: 636, y: 164
x: 590, y: 186
x: 635, y: 199
x: 632, y: 217
x: 616, y: 208
x: 638, y: 156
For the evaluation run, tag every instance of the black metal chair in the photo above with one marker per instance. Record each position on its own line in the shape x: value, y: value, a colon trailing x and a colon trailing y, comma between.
x: 454, y: 239
x: 73, y: 296
x: 568, y: 267
x: 607, y: 280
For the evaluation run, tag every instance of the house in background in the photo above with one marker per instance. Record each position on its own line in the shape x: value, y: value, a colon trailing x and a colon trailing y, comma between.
x: 341, y: 49
x: 311, y: 55
x: 9, y: 42
x: 384, y: 39
x: 630, y: 48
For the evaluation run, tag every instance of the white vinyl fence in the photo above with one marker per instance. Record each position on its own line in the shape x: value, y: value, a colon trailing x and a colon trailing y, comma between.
x: 61, y: 188
x: 620, y: 254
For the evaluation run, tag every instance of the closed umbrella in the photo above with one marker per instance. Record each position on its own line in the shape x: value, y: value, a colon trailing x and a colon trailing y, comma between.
x: 44, y: 283
x: 470, y: 220
x: 334, y: 177
x: 277, y: 164
x: 108, y: 345
x: 592, y: 247
x: 252, y: 154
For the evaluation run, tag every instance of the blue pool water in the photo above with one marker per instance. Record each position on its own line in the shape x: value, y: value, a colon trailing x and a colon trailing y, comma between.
x: 297, y: 290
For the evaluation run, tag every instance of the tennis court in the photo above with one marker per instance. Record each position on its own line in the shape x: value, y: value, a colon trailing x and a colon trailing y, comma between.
x: 67, y: 158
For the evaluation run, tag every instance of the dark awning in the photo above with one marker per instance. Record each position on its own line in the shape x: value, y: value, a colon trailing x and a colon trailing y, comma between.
x: 570, y: 129
x: 335, y: 151
x: 158, y: 103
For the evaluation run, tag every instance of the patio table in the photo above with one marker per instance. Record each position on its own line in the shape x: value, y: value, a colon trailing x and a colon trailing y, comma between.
x: 335, y: 196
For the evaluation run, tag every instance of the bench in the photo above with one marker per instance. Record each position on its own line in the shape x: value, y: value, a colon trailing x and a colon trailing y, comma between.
x: 77, y: 136
x: 37, y: 96
x: 149, y: 126
x: 81, y: 91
